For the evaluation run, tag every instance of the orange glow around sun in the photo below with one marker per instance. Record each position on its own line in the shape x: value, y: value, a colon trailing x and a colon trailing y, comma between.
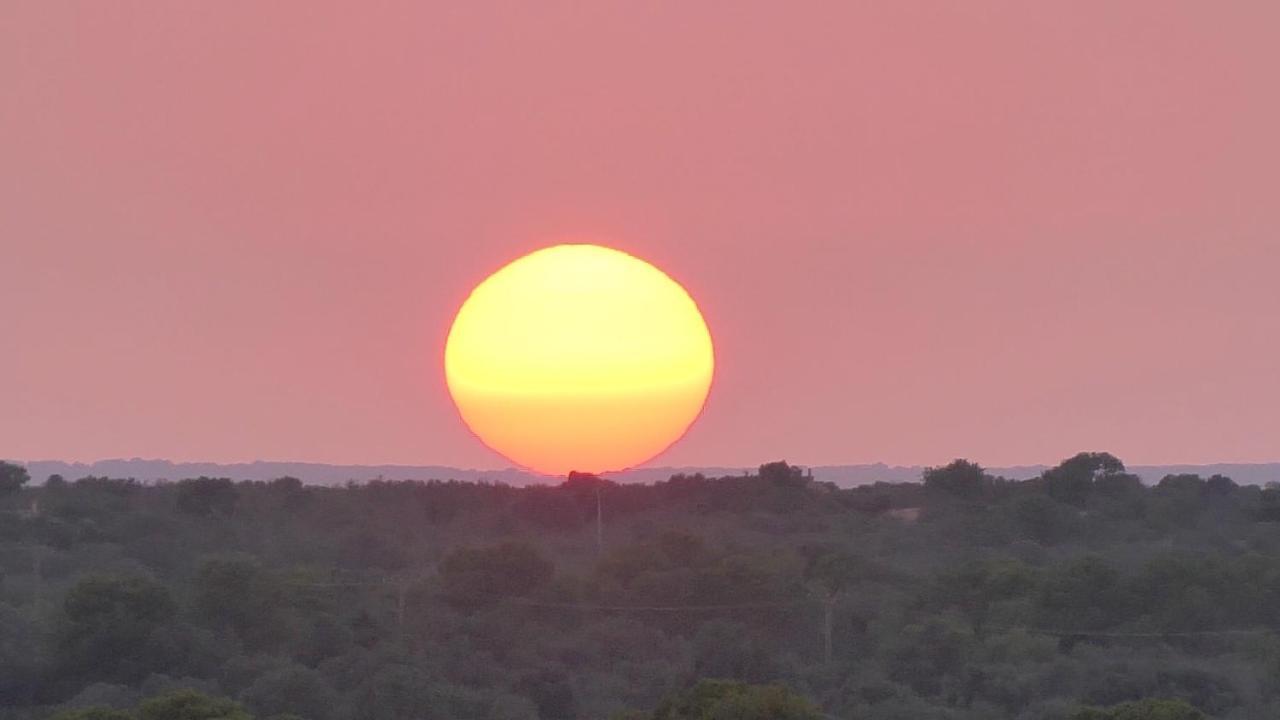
x: 579, y: 357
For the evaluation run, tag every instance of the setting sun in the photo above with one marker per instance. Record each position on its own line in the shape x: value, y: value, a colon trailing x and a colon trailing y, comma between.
x: 579, y: 357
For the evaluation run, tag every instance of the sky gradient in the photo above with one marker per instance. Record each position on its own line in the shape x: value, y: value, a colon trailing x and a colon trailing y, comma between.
x: 1001, y: 230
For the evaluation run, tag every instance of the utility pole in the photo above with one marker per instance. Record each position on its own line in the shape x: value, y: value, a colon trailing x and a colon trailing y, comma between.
x: 599, y: 523
x: 828, y: 611
x: 827, y: 598
x: 37, y: 568
x: 402, y: 592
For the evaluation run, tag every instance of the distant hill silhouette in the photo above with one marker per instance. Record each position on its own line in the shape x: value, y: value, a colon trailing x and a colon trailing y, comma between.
x: 324, y: 474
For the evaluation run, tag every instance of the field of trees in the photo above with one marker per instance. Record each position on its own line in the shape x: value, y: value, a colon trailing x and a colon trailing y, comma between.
x: 1079, y: 595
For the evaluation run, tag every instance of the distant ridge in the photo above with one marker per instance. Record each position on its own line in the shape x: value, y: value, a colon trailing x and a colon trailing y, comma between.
x: 323, y: 474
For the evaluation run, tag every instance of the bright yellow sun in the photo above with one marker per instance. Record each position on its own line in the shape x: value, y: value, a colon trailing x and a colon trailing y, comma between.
x: 579, y: 357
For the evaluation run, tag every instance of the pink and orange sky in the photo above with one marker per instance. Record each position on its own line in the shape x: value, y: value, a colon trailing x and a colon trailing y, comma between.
x: 1001, y: 230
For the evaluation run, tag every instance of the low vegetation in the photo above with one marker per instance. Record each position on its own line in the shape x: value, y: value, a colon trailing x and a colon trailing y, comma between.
x: 1078, y: 595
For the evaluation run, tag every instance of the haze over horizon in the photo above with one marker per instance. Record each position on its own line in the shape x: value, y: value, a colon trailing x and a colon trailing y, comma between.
x: 843, y: 475
x: 995, y: 230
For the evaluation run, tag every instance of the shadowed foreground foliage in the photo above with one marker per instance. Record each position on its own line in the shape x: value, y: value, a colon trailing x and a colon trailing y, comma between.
x: 1077, y: 595
x: 1144, y: 710
x: 724, y: 700
x: 179, y: 705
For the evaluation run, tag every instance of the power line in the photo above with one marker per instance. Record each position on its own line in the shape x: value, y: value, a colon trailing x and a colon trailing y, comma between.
x: 515, y: 600
x: 1104, y: 633
x: 377, y: 583
x: 654, y: 608
x: 807, y: 600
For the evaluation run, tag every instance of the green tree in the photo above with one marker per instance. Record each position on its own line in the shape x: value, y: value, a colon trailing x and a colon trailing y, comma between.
x: 836, y: 571
x: 927, y: 656
x: 1041, y: 518
x: 107, y: 623
x: 1185, y: 593
x: 960, y: 478
x: 400, y: 690
x: 236, y: 592
x: 20, y: 654
x: 780, y: 473
x: 550, y: 692
x: 1073, y: 479
x: 1087, y: 594
x: 828, y: 575
x: 292, y: 689
x: 732, y: 651
x: 12, y: 477
x: 1219, y: 486
x: 286, y: 484
x: 477, y: 576
x: 191, y: 705
x: 1150, y: 709
x: 1185, y: 484
x: 725, y: 700
x: 975, y: 587
x: 205, y: 496
x: 93, y: 713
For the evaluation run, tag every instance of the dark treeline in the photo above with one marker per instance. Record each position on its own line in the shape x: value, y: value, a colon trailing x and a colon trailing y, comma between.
x: 1078, y: 595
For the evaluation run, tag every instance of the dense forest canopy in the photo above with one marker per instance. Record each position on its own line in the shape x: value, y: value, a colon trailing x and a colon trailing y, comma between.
x: 1079, y: 595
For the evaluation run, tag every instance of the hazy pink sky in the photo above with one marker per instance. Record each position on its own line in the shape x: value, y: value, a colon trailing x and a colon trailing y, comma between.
x: 1001, y: 230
